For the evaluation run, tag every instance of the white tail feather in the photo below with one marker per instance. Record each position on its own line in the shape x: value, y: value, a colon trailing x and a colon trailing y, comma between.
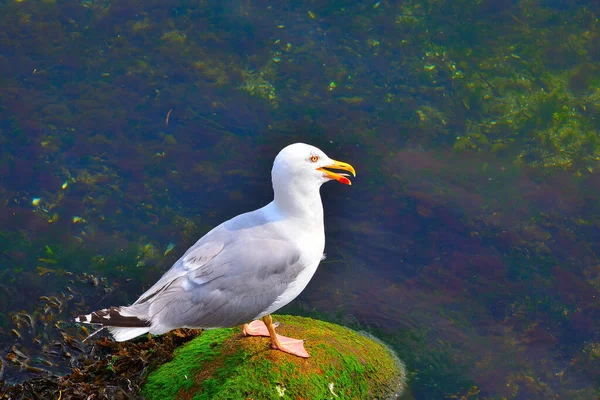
x: 123, y: 334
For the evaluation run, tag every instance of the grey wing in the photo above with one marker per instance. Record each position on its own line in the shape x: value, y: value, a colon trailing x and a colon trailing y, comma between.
x: 233, y: 287
x: 195, y: 257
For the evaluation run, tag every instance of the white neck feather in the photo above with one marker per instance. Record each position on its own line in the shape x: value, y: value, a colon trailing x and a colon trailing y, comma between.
x: 298, y: 199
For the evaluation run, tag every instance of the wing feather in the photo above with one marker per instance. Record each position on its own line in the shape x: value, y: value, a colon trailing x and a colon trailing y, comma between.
x: 245, y: 279
x: 196, y: 256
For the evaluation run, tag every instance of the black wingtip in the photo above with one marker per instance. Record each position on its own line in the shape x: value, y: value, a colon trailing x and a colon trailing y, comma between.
x: 112, y: 317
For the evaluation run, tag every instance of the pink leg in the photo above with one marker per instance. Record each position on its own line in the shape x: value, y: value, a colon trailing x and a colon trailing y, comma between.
x: 285, y: 344
x: 257, y: 328
x: 266, y: 327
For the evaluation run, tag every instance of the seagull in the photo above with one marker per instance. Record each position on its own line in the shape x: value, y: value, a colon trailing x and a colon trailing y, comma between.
x: 246, y: 268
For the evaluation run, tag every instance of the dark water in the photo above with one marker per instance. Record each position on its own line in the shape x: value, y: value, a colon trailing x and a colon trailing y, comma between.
x: 469, y: 240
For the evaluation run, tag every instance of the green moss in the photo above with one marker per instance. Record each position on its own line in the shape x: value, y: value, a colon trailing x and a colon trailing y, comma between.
x: 221, y: 364
x: 178, y: 374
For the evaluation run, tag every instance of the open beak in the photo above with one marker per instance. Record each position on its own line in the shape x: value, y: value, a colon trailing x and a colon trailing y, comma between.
x: 341, y: 177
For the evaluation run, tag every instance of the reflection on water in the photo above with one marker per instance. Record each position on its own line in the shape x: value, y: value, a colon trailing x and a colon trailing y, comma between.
x: 468, y: 240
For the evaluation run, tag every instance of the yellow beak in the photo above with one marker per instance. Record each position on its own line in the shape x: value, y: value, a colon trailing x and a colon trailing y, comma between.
x: 339, y: 177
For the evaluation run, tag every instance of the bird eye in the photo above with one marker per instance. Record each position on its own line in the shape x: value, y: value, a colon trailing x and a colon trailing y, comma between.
x: 314, y: 158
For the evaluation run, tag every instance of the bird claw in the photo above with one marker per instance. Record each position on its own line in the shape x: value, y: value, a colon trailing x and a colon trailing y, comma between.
x: 283, y: 343
x: 257, y: 328
x: 290, y: 346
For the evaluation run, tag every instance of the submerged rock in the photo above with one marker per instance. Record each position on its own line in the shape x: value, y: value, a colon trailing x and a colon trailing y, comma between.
x: 222, y: 364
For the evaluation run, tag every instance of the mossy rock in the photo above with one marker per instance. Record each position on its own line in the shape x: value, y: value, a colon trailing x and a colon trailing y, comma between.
x: 222, y: 364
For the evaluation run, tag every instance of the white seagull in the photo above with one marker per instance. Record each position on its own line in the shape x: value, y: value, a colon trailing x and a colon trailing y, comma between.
x: 246, y: 268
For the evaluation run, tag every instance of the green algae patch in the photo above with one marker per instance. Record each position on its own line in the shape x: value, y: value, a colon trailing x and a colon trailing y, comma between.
x: 187, y: 363
x: 222, y: 364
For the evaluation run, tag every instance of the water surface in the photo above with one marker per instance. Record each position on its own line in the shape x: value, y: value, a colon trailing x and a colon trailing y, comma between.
x: 468, y: 241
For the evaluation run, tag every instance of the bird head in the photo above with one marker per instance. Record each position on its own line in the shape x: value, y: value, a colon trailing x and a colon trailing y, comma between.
x: 310, y: 165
